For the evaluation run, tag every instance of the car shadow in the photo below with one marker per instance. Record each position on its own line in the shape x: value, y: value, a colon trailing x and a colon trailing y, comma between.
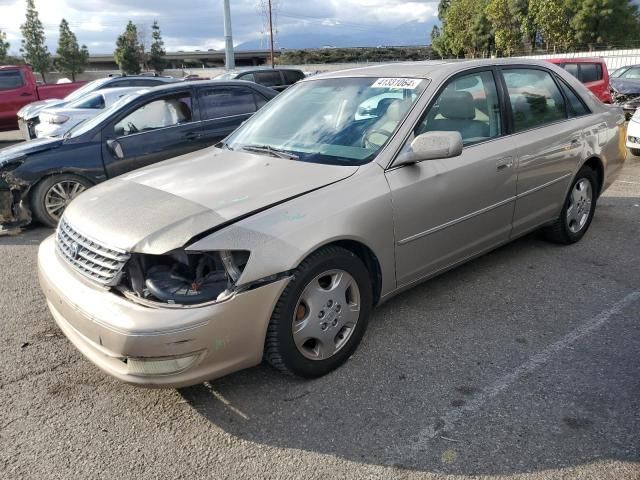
x: 435, y: 349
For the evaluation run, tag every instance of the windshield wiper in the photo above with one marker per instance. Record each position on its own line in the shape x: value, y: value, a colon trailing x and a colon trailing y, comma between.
x: 274, y: 152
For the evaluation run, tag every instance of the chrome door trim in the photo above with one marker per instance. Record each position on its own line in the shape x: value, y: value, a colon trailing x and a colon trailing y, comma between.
x: 451, y: 223
x: 544, y: 185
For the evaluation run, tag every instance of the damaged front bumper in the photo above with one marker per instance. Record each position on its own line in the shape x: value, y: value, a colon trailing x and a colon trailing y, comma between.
x: 161, y: 347
x: 13, y: 212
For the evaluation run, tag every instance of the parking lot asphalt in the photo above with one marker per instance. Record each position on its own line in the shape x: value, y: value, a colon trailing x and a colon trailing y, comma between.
x: 523, y: 363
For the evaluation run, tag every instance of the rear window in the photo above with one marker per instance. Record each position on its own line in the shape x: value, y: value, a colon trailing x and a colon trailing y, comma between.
x: 10, y: 80
x: 268, y: 79
x: 93, y: 101
x: 292, y: 76
x: 590, y: 72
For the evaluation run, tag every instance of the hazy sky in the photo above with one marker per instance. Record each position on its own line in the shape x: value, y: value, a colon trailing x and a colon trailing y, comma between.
x: 198, y: 24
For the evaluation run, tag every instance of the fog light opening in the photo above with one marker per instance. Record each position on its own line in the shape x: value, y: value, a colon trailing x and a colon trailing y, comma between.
x: 149, y: 366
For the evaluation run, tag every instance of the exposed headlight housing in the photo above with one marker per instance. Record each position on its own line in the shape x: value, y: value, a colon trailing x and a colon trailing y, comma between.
x: 183, y: 278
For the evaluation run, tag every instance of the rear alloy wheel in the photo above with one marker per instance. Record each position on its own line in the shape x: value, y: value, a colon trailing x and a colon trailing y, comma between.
x: 322, y: 314
x: 578, y: 209
x: 53, y: 194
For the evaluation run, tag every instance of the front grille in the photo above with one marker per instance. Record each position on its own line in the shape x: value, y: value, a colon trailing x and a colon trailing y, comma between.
x: 93, y: 260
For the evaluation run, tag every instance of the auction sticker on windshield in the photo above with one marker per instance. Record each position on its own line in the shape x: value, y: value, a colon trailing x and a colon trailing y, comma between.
x: 404, y: 83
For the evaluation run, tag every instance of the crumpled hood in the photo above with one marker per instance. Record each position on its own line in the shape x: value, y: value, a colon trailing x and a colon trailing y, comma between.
x: 625, y: 86
x: 162, y: 207
x: 26, y: 148
x: 33, y: 109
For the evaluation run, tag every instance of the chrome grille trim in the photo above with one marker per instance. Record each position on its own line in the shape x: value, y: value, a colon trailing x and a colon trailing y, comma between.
x: 93, y: 260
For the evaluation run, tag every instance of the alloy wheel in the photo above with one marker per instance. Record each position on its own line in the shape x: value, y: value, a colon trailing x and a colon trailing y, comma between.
x: 60, y: 195
x: 579, y: 205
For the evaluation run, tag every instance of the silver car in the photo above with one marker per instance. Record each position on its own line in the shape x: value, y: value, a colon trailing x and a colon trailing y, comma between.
x: 277, y: 243
x: 56, y: 121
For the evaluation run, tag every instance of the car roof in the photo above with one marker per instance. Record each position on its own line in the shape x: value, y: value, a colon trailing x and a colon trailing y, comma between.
x: 425, y: 69
x: 211, y: 83
x: 576, y: 60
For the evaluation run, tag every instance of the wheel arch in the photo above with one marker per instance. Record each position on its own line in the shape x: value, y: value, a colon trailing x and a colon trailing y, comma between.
x: 596, y: 164
x: 365, y: 254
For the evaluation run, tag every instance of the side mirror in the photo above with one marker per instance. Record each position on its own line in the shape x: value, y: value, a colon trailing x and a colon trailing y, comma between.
x: 432, y: 146
x: 115, y: 148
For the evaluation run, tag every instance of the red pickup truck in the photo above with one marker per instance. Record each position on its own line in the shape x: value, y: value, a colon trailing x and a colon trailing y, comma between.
x: 18, y: 87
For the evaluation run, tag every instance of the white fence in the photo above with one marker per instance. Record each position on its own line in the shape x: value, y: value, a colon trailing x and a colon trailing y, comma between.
x: 613, y: 58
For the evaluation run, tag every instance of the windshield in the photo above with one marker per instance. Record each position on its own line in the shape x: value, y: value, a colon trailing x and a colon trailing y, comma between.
x: 93, y: 100
x: 338, y: 121
x: 87, y: 125
x: 88, y: 87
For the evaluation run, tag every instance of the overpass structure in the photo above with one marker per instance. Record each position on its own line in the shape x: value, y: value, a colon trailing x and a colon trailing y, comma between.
x: 193, y: 59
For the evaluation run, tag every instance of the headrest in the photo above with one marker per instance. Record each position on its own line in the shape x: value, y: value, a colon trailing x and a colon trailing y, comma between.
x: 457, y: 106
x: 395, y: 111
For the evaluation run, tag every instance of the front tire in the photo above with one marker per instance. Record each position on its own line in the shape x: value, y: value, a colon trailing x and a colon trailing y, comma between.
x: 52, y: 195
x: 322, y: 314
x: 578, y: 210
x: 635, y: 152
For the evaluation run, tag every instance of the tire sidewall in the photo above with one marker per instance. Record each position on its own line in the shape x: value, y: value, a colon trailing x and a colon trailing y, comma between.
x: 588, y: 174
x: 295, y: 361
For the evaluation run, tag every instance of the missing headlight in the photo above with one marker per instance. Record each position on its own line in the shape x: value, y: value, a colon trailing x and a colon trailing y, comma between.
x: 181, y: 278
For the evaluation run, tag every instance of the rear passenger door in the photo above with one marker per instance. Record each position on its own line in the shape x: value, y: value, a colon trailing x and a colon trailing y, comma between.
x: 223, y: 109
x: 549, y: 140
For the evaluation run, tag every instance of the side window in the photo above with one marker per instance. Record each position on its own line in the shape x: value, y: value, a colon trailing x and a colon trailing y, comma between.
x: 291, y: 76
x: 269, y: 78
x: 249, y: 77
x: 572, y: 68
x: 469, y: 105
x: 160, y: 113
x: 226, y: 102
x: 93, y: 102
x: 10, y: 79
x: 590, y: 72
x: 631, y: 73
x: 535, y: 98
x: 577, y: 108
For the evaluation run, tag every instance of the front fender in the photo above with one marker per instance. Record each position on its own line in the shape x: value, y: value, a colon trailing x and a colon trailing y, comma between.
x: 357, y: 209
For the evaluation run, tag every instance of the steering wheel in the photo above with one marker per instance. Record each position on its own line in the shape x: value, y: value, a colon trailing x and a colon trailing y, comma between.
x: 132, y: 128
x: 366, y: 137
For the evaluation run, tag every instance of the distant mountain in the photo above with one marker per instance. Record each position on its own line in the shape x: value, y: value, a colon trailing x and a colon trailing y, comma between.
x: 410, y: 33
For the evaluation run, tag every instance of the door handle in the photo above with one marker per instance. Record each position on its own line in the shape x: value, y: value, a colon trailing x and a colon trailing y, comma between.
x: 506, y: 162
x: 192, y: 136
x: 25, y: 94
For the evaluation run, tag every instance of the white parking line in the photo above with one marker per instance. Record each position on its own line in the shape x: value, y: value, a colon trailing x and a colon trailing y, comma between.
x: 446, y: 422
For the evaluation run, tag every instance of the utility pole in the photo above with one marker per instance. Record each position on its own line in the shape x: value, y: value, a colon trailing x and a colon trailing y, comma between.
x: 229, y: 62
x: 273, y: 65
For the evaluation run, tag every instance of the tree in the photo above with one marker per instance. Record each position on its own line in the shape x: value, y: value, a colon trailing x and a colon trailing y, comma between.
x: 465, y: 29
x: 4, y: 46
x: 71, y: 57
x: 127, y: 50
x: 609, y: 22
x: 506, y: 18
x: 551, y: 20
x: 157, y: 53
x: 33, y: 48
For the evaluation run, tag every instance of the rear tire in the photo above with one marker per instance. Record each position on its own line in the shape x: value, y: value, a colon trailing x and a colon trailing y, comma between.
x: 578, y: 210
x: 51, y: 196
x: 635, y: 152
x: 321, y: 315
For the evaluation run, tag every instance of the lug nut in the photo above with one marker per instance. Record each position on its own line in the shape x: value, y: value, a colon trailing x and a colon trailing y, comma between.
x: 338, y: 308
x: 323, y: 326
x: 329, y: 303
x: 321, y: 314
x: 335, y: 322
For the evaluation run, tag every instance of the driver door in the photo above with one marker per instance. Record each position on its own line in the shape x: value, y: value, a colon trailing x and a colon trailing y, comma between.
x: 160, y: 128
x: 448, y: 210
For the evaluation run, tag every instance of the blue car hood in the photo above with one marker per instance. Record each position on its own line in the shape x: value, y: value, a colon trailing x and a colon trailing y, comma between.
x: 625, y: 86
x: 26, y: 148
